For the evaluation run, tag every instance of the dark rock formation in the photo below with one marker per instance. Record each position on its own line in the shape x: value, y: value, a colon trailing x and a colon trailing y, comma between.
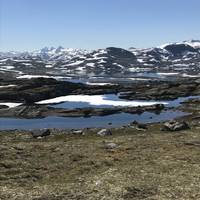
x: 174, y: 126
x: 3, y: 107
x: 104, y: 132
x: 40, y: 133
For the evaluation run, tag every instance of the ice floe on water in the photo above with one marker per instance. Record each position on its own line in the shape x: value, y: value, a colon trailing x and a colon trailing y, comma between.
x: 108, y: 100
x: 99, y: 100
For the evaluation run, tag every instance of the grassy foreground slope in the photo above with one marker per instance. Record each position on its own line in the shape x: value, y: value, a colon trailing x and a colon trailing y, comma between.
x: 145, y: 165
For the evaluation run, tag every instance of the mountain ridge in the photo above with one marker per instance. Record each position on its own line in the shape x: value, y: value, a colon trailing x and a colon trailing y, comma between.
x: 179, y: 57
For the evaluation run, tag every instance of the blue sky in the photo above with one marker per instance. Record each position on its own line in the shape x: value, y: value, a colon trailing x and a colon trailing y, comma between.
x: 91, y: 24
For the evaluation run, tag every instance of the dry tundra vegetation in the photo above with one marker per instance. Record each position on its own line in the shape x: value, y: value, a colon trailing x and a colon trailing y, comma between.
x: 148, y: 165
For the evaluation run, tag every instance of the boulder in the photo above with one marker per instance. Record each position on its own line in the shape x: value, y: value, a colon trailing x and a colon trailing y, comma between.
x: 138, y: 125
x: 159, y: 107
x: 134, y: 123
x: 142, y: 126
x: 111, y: 145
x: 3, y: 107
x: 77, y: 132
x: 40, y: 133
x: 174, y: 126
x: 104, y: 132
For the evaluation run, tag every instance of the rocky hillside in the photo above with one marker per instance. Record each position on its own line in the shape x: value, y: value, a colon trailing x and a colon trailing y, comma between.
x: 170, y: 59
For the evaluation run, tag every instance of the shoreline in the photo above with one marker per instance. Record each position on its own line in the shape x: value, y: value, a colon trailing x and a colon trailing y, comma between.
x: 138, y: 162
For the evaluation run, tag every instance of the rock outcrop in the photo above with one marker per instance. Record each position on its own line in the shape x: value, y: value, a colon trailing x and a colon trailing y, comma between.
x: 174, y: 126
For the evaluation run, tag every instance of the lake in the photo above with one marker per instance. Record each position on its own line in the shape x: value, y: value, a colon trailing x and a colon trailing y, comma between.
x: 117, y: 120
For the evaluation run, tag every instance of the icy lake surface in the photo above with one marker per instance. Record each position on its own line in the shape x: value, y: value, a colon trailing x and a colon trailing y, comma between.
x: 80, y: 101
x: 99, y: 101
x: 105, y: 101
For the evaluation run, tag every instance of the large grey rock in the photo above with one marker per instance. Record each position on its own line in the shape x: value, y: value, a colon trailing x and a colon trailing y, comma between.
x: 111, y: 145
x: 139, y: 126
x: 40, y: 133
x: 77, y: 132
x: 104, y: 132
x: 174, y: 126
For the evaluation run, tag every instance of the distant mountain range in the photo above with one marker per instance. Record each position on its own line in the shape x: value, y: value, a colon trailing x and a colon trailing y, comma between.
x: 174, y: 58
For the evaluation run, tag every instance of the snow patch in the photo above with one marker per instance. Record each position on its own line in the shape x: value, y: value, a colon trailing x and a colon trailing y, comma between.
x: 48, y: 66
x: 98, y: 100
x: 7, y: 86
x: 90, y: 64
x: 11, y: 105
x: 7, y: 67
x: 76, y: 63
x: 167, y: 74
x: 40, y: 76
x: 101, y: 84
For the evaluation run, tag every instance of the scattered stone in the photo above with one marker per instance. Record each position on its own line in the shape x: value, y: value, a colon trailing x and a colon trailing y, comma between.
x: 159, y: 106
x: 142, y: 126
x: 134, y: 123
x: 77, y: 132
x: 193, y: 143
x: 139, y: 126
x: 104, y: 132
x: 40, y: 133
x: 174, y: 126
x: 7, y: 164
x: 111, y: 145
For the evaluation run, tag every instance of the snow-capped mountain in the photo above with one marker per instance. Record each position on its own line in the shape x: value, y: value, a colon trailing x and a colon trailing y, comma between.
x: 169, y: 59
x: 57, y: 54
x: 193, y: 43
x: 46, y: 53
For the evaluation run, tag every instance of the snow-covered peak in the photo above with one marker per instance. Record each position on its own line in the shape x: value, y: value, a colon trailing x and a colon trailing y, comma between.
x: 193, y: 43
x: 165, y: 45
x: 49, y: 50
x: 59, y: 53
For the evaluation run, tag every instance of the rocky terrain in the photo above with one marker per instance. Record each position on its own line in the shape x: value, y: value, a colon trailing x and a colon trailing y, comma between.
x: 36, y: 89
x: 28, y: 92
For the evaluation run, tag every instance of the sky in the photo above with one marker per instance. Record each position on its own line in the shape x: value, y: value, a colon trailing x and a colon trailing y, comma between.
x: 27, y: 25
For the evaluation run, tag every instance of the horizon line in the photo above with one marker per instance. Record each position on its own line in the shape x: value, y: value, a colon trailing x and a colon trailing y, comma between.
x: 61, y: 46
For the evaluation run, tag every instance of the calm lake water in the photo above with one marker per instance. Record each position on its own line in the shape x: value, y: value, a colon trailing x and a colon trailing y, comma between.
x: 117, y: 120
